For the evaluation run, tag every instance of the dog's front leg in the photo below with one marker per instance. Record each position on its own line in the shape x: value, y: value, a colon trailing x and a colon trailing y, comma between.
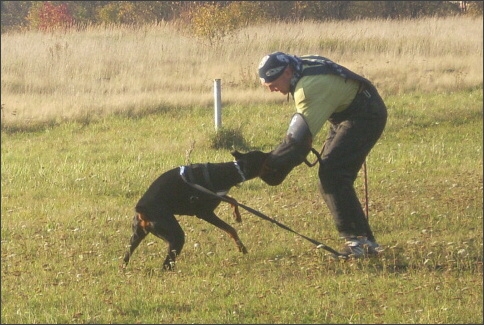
x: 235, y: 208
x: 236, y: 213
x: 219, y: 223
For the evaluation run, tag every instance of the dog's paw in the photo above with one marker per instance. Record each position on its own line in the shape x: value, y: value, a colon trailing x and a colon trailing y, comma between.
x: 243, y: 249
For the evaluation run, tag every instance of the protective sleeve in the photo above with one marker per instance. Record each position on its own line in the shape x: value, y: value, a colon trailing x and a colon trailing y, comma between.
x: 291, y: 152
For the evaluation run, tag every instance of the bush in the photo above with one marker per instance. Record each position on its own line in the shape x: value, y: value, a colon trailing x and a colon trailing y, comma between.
x: 228, y: 139
x: 213, y: 21
x: 47, y: 15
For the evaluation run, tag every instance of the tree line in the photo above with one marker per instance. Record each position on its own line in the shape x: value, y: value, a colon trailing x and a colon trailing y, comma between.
x: 44, y: 15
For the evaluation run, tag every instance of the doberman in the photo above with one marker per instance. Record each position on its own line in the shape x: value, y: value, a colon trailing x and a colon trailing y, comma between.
x: 173, y: 194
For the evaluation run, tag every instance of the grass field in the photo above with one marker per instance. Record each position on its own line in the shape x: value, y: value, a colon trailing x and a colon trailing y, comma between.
x: 69, y: 185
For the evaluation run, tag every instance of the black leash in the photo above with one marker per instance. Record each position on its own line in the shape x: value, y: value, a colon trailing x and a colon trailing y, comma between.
x: 230, y: 200
x: 263, y: 216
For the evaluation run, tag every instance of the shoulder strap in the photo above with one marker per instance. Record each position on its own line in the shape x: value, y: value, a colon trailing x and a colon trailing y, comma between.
x: 314, y: 70
x: 186, y: 172
x: 206, y: 175
x: 316, y: 65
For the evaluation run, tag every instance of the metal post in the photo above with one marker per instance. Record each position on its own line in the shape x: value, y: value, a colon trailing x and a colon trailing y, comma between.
x: 217, y: 94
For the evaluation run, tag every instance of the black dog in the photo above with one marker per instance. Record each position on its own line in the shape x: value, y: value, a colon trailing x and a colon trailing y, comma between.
x: 172, y: 194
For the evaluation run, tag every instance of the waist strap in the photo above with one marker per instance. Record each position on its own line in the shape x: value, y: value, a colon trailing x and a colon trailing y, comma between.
x: 362, y: 96
x: 363, y: 89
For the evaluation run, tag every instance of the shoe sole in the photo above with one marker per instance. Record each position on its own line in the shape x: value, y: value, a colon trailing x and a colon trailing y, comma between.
x: 343, y: 256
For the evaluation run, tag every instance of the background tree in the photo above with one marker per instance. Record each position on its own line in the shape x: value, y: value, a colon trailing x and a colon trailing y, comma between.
x: 214, y: 20
x: 48, y: 15
x: 17, y: 15
x: 14, y: 14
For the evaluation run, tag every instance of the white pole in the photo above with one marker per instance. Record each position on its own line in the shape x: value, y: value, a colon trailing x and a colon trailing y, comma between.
x: 217, y: 94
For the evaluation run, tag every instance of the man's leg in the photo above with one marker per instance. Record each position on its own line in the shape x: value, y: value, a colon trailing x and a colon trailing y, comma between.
x: 344, y: 153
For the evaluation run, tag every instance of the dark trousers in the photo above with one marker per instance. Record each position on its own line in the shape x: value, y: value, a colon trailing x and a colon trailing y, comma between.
x: 352, y: 135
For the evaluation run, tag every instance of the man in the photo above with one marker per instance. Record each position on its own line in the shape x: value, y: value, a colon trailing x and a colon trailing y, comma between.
x: 325, y: 91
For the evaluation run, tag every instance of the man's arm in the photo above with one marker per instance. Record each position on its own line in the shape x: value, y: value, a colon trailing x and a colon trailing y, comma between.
x: 291, y: 152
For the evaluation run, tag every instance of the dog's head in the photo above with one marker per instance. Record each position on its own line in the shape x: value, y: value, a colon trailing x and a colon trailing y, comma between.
x: 251, y: 162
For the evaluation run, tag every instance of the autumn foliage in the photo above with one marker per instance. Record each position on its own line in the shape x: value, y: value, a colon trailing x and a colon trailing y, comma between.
x: 48, y: 15
x: 213, y: 20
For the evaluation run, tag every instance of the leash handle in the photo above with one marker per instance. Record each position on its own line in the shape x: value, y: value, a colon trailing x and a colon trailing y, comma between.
x: 318, y: 158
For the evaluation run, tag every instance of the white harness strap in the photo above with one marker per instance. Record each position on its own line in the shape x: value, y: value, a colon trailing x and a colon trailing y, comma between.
x: 241, y: 173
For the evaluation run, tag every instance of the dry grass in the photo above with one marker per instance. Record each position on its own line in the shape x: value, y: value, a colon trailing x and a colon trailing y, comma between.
x: 105, y: 70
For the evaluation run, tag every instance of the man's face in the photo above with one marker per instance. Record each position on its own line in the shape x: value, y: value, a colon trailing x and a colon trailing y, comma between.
x: 281, y: 84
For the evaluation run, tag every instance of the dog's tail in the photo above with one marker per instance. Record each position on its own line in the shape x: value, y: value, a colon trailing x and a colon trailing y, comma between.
x: 140, y: 230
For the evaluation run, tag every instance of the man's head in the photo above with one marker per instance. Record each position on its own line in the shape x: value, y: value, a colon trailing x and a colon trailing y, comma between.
x: 275, y: 72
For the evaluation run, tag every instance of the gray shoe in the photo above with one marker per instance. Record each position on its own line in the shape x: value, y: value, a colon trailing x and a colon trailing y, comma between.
x: 358, y: 247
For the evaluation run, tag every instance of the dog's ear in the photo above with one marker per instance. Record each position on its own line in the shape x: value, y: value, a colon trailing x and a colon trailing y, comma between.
x: 236, y: 154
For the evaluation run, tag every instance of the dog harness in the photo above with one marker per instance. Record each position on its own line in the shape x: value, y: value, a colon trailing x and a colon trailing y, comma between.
x: 186, y: 173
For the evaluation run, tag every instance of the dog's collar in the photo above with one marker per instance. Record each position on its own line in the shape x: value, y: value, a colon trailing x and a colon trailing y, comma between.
x: 241, y: 173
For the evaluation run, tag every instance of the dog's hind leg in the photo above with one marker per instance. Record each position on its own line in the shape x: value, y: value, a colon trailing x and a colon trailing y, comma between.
x: 212, y: 218
x: 168, y: 229
x: 140, y: 230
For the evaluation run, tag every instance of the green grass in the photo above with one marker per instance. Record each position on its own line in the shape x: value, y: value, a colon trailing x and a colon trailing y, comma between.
x: 68, y: 193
